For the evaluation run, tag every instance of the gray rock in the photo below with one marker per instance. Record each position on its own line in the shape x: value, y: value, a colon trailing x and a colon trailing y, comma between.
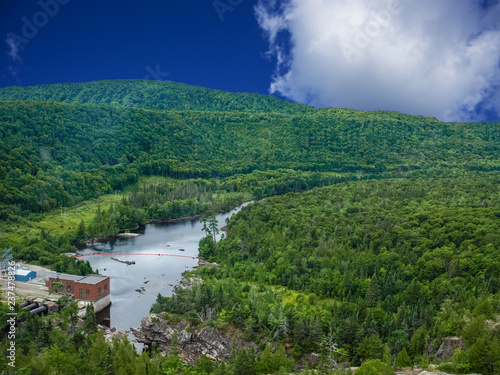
x: 448, y: 347
x: 155, y: 330
x: 51, y: 306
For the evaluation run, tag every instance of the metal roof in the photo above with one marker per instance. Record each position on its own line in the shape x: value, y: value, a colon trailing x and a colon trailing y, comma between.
x: 89, y: 279
x: 92, y: 279
x: 23, y: 272
x: 65, y: 276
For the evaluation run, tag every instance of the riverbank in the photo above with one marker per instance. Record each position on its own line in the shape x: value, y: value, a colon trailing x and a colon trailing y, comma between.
x: 120, y: 233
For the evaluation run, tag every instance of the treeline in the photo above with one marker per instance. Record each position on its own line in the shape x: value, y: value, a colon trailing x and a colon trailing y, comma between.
x: 391, y: 265
x: 47, y: 249
x: 158, y: 95
x: 167, y: 199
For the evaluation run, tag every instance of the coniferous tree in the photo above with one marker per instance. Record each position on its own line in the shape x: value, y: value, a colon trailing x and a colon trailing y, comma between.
x: 90, y: 323
x: 403, y: 360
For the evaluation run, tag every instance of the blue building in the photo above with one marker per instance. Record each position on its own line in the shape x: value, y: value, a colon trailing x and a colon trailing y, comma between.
x: 24, y: 275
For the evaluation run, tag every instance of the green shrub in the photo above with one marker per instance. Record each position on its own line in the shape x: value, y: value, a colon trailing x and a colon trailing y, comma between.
x: 375, y: 367
x: 403, y: 360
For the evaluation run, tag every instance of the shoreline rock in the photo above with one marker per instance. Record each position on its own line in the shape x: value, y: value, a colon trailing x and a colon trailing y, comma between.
x: 128, y: 235
x: 159, y: 330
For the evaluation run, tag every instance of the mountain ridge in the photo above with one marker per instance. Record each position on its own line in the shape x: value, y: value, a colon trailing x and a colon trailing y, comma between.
x: 159, y: 95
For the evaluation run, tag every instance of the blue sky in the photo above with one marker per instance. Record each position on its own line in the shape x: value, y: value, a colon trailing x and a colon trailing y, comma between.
x: 426, y: 57
x: 119, y: 39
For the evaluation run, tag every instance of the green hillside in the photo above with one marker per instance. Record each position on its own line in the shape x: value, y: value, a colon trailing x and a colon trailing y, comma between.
x: 377, y: 266
x: 57, y: 154
x: 160, y: 95
x: 379, y: 231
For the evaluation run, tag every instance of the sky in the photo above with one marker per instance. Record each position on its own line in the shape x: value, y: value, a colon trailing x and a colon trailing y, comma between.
x: 438, y: 58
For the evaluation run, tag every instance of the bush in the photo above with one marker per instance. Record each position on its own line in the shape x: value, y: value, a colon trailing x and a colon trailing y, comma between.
x: 403, y: 360
x: 375, y: 367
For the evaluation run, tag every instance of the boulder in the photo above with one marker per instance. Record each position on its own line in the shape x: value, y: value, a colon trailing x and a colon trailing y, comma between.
x: 51, y: 306
x: 448, y: 347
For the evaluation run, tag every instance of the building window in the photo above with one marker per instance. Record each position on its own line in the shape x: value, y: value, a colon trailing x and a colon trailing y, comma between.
x: 81, y: 293
x: 68, y: 287
x: 88, y: 293
x: 106, y: 288
x: 99, y: 293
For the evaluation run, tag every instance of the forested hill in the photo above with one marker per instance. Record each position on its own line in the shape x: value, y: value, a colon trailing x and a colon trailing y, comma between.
x: 57, y: 154
x: 159, y: 95
x: 398, y: 252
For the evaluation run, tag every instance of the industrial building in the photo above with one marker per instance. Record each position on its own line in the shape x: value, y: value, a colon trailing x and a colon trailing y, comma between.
x: 24, y: 275
x: 86, y: 288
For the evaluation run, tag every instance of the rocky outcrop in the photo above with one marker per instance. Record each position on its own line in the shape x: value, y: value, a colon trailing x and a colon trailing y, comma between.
x: 159, y: 330
x: 448, y: 347
x: 187, y: 283
x: 111, y: 333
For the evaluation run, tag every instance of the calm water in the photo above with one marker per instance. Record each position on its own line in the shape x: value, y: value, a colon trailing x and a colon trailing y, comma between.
x: 156, y: 274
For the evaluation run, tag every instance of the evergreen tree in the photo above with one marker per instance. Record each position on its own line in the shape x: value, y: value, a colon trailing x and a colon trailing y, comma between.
x: 386, y: 355
x: 243, y: 361
x: 372, y: 294
x: 403, y: 360
x: 80, y: 234
x: 374, y: 367
x: 90, y: 323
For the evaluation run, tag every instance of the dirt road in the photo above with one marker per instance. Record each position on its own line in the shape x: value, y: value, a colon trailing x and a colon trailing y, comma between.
x: 34, y: 288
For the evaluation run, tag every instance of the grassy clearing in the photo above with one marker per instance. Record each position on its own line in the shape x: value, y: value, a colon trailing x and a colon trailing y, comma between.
x: 55, y: 222
x: 298, y: 299
x: 59, y: 223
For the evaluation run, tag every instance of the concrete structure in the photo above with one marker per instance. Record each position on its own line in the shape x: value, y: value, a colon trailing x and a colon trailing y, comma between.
x: 24, y: 275
x: 86, y: 288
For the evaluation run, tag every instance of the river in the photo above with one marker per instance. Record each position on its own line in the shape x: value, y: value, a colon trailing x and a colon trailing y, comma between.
x: 152, y: 274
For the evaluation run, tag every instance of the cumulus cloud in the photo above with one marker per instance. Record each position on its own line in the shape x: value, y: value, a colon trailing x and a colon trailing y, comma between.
x: 425, y: 57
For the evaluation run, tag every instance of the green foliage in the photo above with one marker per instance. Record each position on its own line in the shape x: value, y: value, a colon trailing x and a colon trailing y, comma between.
x: 315, y: 244
x: 270, y: 363
x: 484, y: 308
x: 371, y: 347
x: 476, y: 329
x: 90, y: 323
x: 374, y: 367
x: 394, y: 243
x: 207, y: 247
x: 459, y: 363
x: 418, y: 342
x: 210, y: 227
x: 56, y: 286
x: 403, y: 360
x: 484, y: 356
x: 161, y: 95
x: 243, y: 361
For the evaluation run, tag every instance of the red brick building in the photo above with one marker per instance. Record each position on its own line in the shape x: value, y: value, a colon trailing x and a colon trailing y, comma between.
x: 86, y: 288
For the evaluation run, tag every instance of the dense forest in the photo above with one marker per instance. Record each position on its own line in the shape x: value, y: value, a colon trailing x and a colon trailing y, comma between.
x: 396, y: 262
x: 374, y: 231
x: 158, y: 95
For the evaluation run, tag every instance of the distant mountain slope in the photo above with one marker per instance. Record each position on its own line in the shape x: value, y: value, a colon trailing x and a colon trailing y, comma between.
x: 57, y: 154
x: 82, y: 137
x: 159, y: 95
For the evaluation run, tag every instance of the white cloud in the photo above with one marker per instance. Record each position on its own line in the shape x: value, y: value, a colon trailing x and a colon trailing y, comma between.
x: 15, y: 49
x: 425, y: 57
